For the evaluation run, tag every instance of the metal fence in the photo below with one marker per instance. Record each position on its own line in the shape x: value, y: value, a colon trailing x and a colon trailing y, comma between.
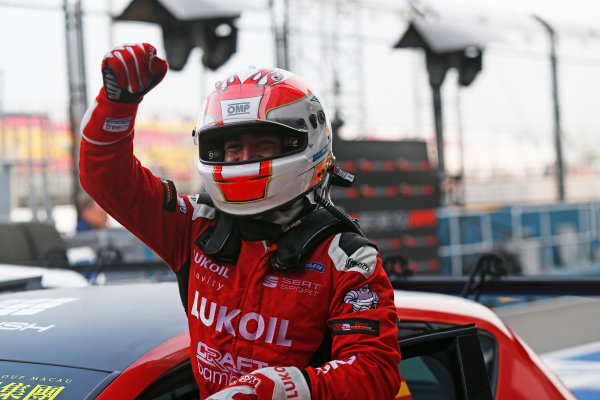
x: 549, y: 239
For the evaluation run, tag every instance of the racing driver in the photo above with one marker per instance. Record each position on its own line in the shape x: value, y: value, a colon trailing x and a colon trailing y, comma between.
x: 285, y: 298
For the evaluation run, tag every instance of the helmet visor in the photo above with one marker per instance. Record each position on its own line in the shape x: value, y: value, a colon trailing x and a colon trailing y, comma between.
x: 243, y: 142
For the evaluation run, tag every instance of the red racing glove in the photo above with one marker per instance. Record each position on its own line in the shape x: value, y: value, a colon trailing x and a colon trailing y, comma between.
x: 129, y: 72
x: 272, y: 383
x: 132, y: 70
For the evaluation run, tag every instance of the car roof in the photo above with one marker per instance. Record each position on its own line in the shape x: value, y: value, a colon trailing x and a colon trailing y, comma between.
x: 108, y: 327
x: 50, y: 277
x: 444, y: 308
x: 104, y: 328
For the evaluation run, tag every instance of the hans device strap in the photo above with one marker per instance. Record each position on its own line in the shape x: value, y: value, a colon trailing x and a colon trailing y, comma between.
x: 296, y: 242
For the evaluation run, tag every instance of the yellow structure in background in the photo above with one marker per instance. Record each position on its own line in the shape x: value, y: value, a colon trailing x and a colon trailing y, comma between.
x: 33, y: 144
x: 167, y: 149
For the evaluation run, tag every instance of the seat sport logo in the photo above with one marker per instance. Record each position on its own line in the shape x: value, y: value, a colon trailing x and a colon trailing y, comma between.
x: 295, y: 285
x: 271, y: 281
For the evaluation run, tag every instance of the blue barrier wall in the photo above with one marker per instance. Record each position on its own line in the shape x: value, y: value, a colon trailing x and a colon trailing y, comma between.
x: 548, y: 239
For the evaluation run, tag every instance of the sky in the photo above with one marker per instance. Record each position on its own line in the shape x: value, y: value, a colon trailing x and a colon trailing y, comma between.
x: 506, y: 114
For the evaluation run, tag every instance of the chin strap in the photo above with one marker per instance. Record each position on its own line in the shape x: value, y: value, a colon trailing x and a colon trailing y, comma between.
x: 299, y: 241
x: 302, y: 237
x: 351, y: 223
x: 223, y: 241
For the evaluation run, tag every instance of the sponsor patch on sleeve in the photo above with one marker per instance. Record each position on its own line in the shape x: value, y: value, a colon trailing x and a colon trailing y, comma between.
x: 350, y: 326
x: 362, y: 298
x: 169, y: 195
x: 363, y: 260
x: 182, y: 205
x: 116, y: 124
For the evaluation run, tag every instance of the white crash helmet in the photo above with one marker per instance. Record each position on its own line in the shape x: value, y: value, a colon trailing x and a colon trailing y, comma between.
x: 272, y: 101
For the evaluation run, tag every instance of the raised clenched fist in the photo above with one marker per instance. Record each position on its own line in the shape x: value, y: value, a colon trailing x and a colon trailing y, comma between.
x: 132, y: 70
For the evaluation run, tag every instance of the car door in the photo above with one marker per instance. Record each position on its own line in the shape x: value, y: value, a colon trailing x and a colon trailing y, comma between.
x: 444, y: 364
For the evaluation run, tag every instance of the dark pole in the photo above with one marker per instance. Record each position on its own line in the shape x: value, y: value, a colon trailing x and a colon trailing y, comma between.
x: 286, y: 34
x: 560, y: 177
x: 280, y: 34
x: 77, y: 86
x: 437, y: 65
x: 82, y: 89
x: 439, y: 130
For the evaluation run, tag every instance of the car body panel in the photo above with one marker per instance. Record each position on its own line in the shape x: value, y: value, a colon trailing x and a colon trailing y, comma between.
x: 89, y: 327
x: 149, y: 368
x: 115, y: 341
x: 521, y: 373
x: 18, y: 380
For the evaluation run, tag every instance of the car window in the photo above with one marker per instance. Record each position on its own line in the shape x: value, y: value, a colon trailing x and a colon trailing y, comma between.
x: 176, y: 384
x: 427, y: 378
x: 428, y: 371
x: 489, y: 348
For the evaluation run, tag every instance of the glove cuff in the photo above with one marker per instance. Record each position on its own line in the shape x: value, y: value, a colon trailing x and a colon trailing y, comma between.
x: 106, y: 122
x: 289, y: 383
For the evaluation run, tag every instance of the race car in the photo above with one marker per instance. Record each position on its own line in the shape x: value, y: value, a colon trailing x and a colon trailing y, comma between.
x: 131, y: 342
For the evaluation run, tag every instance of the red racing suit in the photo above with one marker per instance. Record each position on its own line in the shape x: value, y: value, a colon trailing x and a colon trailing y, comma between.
x: 247, y: 316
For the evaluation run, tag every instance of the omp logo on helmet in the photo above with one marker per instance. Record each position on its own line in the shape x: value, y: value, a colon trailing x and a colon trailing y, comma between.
x: 238, y: 108
x: 235, y: 109
x: 243, y: 183
x: 248, y: 95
